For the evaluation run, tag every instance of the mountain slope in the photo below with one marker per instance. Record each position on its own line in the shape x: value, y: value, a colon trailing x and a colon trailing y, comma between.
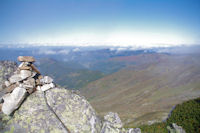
x: 70, y: 74
x: 149, y: 91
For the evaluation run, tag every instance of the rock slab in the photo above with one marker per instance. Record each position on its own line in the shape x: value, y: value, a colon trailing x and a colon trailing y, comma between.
x: 15, y: 78
x: 14, y: 100
x: 46, y: 80
x: 26, y: 59
x: 25, y: 74
x: 113, y: 119
x: 75, y: 112
x: 47, y: 87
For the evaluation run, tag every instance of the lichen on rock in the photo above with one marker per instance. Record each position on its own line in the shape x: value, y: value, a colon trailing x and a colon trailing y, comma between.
x: 74, y: 111
x: 50, y: 109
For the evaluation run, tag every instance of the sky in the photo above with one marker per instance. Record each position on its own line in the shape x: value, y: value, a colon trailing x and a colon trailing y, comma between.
x: 144, y: 23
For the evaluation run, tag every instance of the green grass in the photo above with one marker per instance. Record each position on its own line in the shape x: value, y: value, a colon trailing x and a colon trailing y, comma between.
x: 157, y: 87
x: 155, y: 128
x: 186, y: 115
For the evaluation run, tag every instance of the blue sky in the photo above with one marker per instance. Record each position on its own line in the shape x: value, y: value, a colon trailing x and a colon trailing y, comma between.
x: 100, y: 22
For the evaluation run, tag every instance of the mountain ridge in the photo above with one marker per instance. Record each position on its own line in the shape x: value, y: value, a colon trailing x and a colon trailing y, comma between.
x: 151, y: 90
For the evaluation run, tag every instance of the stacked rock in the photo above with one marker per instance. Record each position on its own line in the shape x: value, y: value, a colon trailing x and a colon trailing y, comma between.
x: 25, y: 81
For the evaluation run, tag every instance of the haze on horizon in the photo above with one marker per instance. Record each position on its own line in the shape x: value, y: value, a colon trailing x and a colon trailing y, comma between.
x: 101, y: 22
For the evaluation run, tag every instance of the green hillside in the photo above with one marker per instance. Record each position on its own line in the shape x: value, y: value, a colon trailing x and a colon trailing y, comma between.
x: 147, y: 92
x: 70, y: 75
x: 186, y: 115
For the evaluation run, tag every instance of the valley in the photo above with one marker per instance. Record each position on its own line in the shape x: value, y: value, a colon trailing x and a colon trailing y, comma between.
x: 146, y: 93
x: 141, y: 85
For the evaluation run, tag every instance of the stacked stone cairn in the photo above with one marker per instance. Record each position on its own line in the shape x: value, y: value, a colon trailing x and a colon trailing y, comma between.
x: 25, y: 81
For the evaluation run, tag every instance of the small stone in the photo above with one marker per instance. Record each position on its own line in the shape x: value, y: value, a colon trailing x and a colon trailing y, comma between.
x: 46, y: 80
x: 174, y: 128
x: 113, y: 119
x: 38, y: 82
x: 11, y: 88
x: 47, y: 86
x: 25, y: 68
x: 25, y: 74
x: 7, y: 83
x: 26, y: 59
x: 21, y: 64
x: 24, y: 64
x: 29, y: 83
x: 35, y: 69
x: 14, y: 100
x: 15, y: 78
x: 38, y: 88
x: 135, y: 130
x: 31, y: 90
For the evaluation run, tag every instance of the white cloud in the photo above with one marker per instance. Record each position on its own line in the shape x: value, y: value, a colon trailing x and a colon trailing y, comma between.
x: 63, y: 52
x: 122, y: 48
x: 53, y: 52
x: 121, y: 38
x: 76, y: 49
x: 47, y: 52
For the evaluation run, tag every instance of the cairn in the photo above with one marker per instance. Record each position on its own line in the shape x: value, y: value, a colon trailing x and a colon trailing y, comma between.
x: 26, y: 80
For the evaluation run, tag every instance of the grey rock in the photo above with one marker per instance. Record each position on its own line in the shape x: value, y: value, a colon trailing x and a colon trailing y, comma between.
x: 26, y: 59
x: 46, y: 80
x: 29, y: 83
x: 38, y: 88
x: 134, y: 130
x: 74, y: 111
x: 24, y: 64
x: 7, y: 83
x: 113, y: 124
x: 7, y: 68
x: 15, y: 78
x: 25, y: 74
x: 113, y: 119
x: 14, y: 100
x: 47, y: 86
x: 25, y: 68
x: 108, y: 128
x: 175, y: 129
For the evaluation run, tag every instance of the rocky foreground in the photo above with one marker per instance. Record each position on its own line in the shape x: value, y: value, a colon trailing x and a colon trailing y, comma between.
x: 33, y: 104
x: 7, y: 68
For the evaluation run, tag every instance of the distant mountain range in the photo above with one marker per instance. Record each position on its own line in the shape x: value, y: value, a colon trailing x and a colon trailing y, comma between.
x: 148, y: 89
x: 68, y: 74
x: 142, y: 85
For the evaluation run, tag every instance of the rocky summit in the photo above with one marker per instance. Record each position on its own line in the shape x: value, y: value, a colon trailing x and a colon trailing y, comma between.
x: 20, y: 85
x: 26, y: 59
x: 7, y: 68
x: 32, y: 103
